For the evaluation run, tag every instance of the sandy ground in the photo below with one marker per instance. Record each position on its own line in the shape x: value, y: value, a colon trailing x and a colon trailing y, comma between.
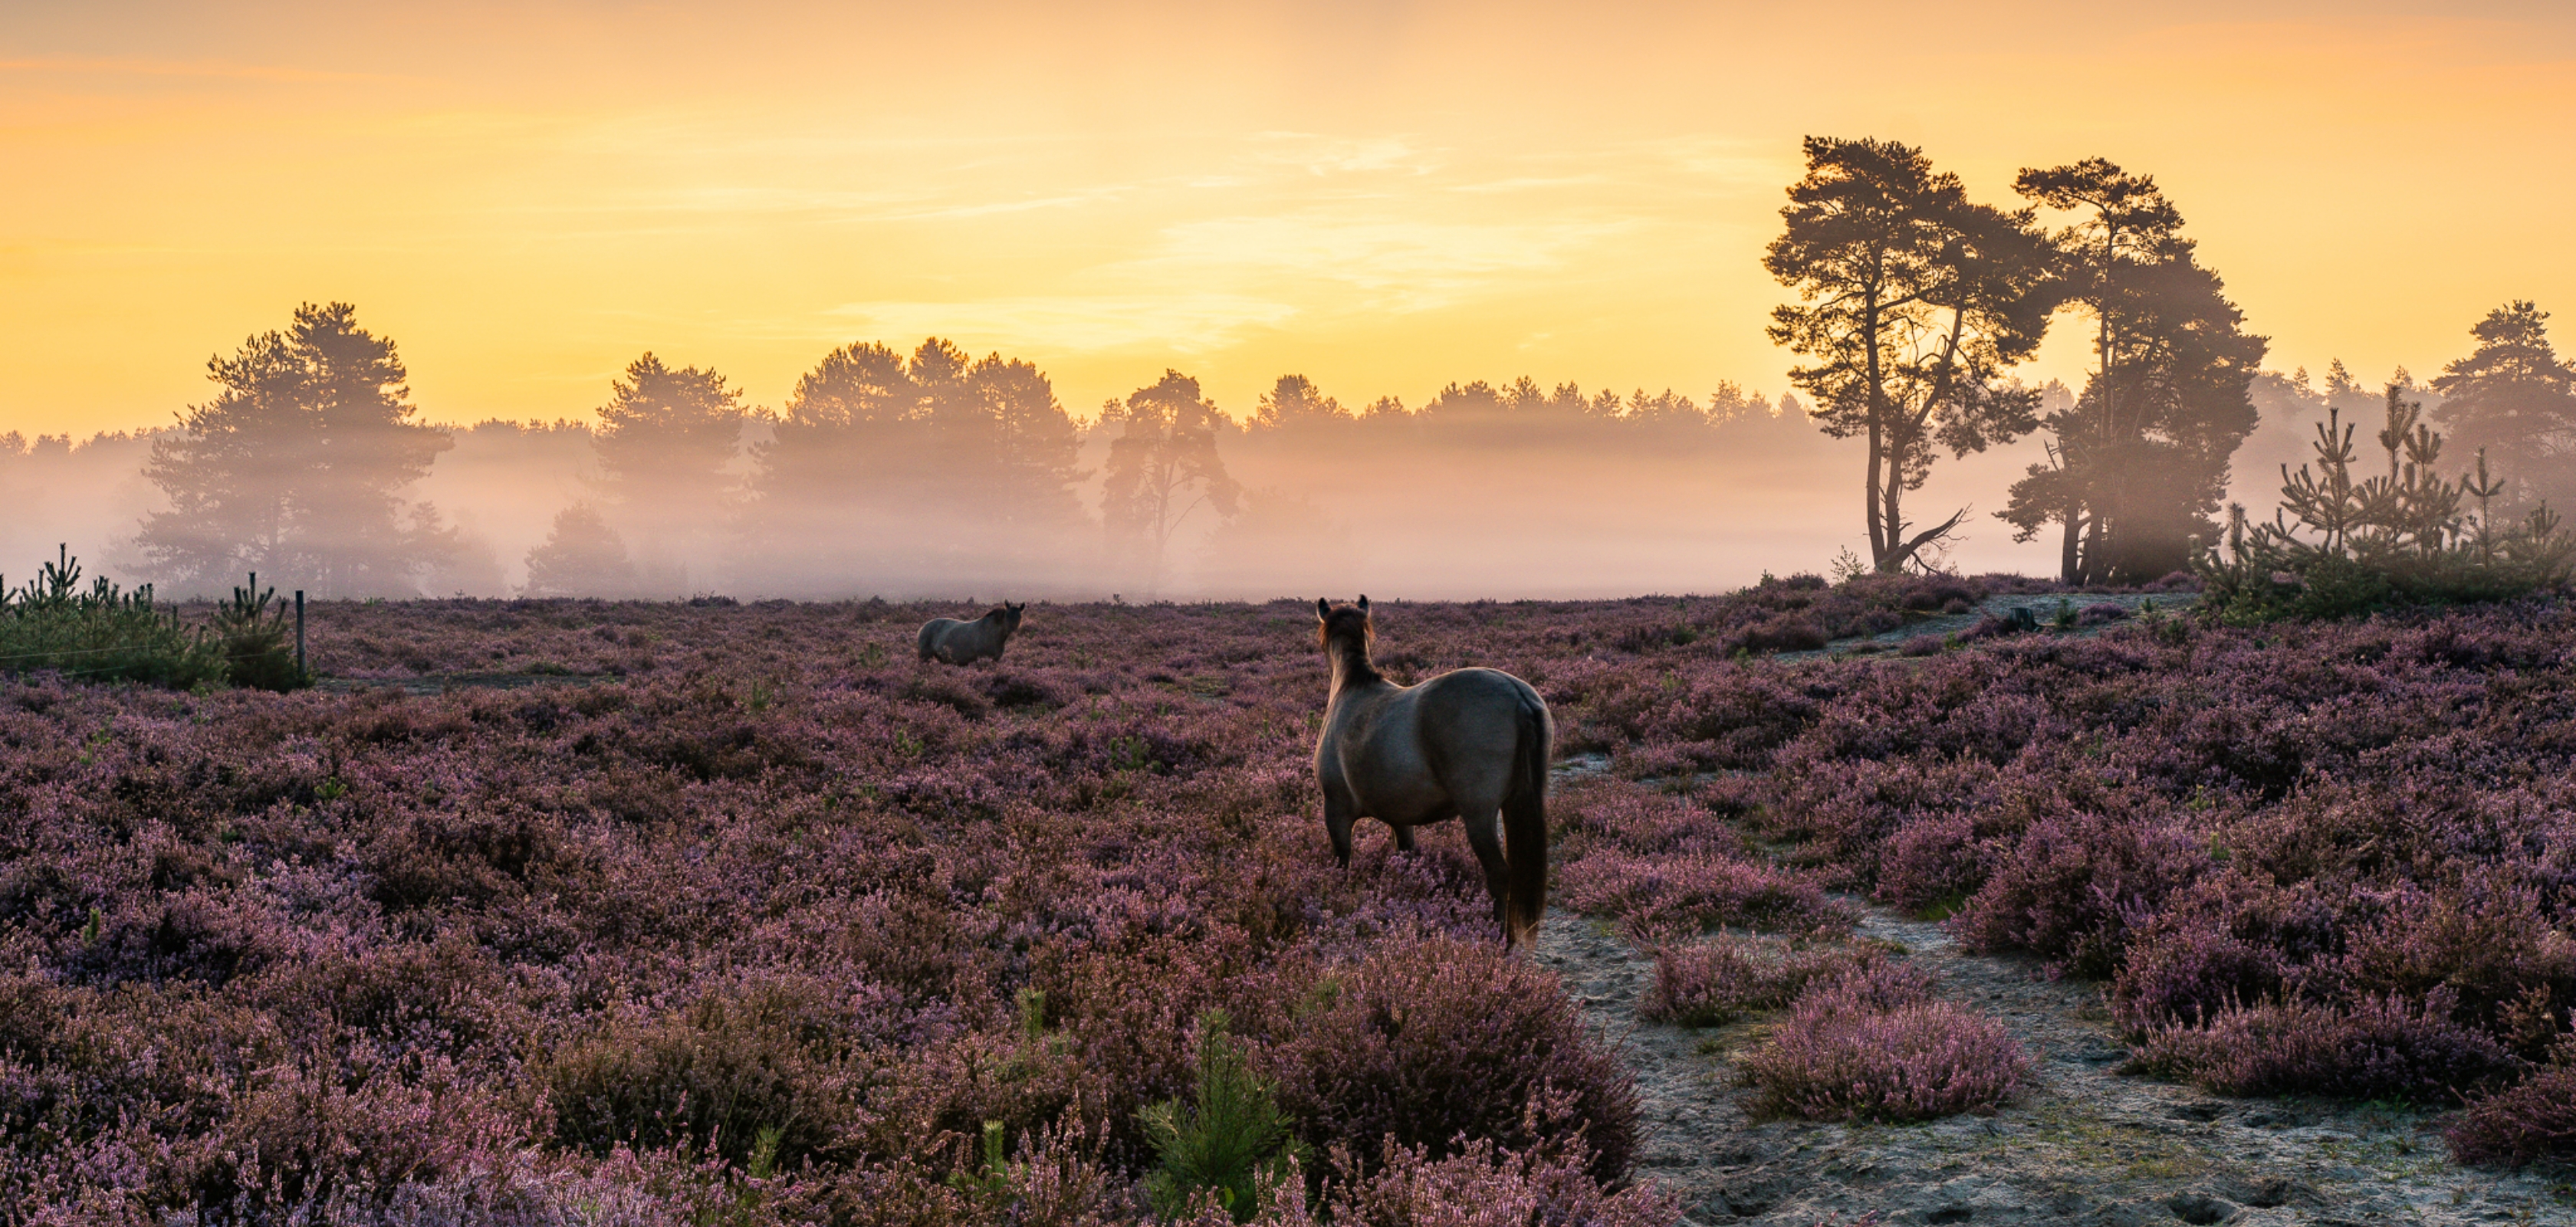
x: 2085, y: 1144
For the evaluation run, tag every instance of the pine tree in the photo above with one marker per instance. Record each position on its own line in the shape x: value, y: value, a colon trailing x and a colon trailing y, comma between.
x: 2514, y: 399
x: 2139, y: 461
x: 1912, y: 301
x: 296, y: 468
x: 664, y: 439
x: 581, y: 556
x: 1163, y: 465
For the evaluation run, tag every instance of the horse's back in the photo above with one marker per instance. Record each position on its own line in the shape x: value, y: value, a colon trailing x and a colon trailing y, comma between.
x: 932, y: 632
x: 1458, y: 736
x: 1475, y: 711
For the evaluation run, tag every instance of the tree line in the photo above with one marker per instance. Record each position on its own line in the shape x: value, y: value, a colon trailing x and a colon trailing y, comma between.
x: 881, y: 467
x: 1915, y: 304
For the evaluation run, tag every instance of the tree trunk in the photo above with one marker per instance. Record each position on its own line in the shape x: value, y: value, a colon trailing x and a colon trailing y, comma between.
x: 2070, y: 558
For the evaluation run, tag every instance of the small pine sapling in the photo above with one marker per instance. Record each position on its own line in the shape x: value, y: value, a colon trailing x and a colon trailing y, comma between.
x: 1234, y: 1143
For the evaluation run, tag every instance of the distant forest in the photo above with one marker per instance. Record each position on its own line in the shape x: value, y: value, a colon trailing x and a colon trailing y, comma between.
x: 939, y: 473
x: 891, y: 474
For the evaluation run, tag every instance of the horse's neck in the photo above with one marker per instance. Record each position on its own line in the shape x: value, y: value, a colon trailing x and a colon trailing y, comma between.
x: 1352, y: 670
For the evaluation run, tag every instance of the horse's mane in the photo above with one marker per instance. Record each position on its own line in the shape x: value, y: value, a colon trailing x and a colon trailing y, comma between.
x: 1352, y: 623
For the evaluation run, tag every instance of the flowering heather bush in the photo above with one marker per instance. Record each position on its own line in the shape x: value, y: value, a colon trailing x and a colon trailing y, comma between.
x: 2101, y: 613
x: 2512, y: 1127
x: 729, y: 872
x: 1663, y: 897
x: 1488, y: 1186
x: 2379, y: 1048
x: 1873, y: 1046
x: 1429, y: 1042
x: 2069, y: 885
x: 1713, y: 982
x: 1668, y: 867
x: 2365, y: 828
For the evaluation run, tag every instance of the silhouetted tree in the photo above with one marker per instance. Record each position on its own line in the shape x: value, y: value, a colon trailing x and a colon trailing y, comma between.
x: 1030, y: 443
x: 1295, y: 402
x: 1912, y: 301
x: 664, y: 439
x: 666, y: 435
x: 921, y: 466
x: 295, y: 468
x: 581, y: 556
x: 1162, y: 466
x: 2139, y: 462
x: 2514, y: 399
x: 1518, y: 412
x: 844, y: 432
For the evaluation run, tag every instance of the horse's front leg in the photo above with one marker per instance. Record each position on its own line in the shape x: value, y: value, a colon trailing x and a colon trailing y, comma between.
x: 1338, y: 816
x: 1403, y: 836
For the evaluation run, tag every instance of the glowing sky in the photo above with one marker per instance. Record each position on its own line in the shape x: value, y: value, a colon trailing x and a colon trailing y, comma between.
x: 1385, y: 197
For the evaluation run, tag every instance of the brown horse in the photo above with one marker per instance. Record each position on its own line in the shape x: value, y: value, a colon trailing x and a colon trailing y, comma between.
x: 961, y: 643
x: 1470, y: 744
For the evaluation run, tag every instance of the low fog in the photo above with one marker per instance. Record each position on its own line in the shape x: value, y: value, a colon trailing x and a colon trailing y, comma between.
x: 913, y: 476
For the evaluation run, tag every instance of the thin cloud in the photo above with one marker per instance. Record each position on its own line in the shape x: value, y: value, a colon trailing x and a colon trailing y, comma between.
x: 211, y: 69
x: 1185, y: 323
x: 1317, y: 154
x: 1411, y: 265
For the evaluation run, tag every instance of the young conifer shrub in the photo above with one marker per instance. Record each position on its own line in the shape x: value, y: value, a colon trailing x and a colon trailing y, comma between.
x: 101, y: 633
x: 258, y: 642
x: 1231, y: 1142
x: 2345, y: 544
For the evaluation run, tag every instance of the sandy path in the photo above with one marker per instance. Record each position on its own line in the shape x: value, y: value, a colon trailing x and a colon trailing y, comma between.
x: 2086, y: 1145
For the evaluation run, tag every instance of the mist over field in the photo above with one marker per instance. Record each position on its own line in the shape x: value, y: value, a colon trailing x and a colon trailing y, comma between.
x: 1476, y: 498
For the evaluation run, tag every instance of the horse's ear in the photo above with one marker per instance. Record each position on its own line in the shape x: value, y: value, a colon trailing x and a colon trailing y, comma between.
x: 1363, y: 602
x: 1323, y: 609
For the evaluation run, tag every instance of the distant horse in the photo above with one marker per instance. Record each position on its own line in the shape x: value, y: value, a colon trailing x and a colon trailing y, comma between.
x: 960, y: 643
x: 1469, y: 744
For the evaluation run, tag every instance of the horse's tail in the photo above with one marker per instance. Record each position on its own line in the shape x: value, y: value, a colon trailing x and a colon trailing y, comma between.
x: 1525, y: 820
x: 928, y: 641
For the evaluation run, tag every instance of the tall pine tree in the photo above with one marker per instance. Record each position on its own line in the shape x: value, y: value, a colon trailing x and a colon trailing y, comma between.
x: 1163, y: 466
x: 296, y: 468
x: 1912, y: 301
x: 2515, y: 400
x: 2139, y: 462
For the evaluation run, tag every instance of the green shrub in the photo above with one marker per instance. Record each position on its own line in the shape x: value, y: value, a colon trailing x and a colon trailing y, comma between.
x: 739, y: 1074
x: 2361, y: 546
x: 1234, y: 1142
x: 258, y: 644
x: 101, y: 633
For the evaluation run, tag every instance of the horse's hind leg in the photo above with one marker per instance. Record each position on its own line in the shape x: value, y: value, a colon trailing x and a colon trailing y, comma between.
x: 1485, y: 836
x: 1337, y: 823
x: 1403, y: 836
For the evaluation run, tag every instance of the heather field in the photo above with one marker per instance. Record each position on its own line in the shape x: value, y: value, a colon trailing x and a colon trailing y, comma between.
x: 558, y: 911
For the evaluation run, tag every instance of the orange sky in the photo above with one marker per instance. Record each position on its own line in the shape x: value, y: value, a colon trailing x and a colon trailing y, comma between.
x: 1385, y: 197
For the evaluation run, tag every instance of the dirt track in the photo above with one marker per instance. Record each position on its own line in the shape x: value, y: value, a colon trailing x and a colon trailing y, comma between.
x: 2086, y: 1145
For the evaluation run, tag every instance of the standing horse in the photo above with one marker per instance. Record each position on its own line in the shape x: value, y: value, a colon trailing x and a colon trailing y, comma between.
x: 1470, y: 744
x: 960, y: 643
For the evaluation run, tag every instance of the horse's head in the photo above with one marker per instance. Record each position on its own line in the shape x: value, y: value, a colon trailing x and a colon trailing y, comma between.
x: 1011, y: 614
x: 1342, y: 622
